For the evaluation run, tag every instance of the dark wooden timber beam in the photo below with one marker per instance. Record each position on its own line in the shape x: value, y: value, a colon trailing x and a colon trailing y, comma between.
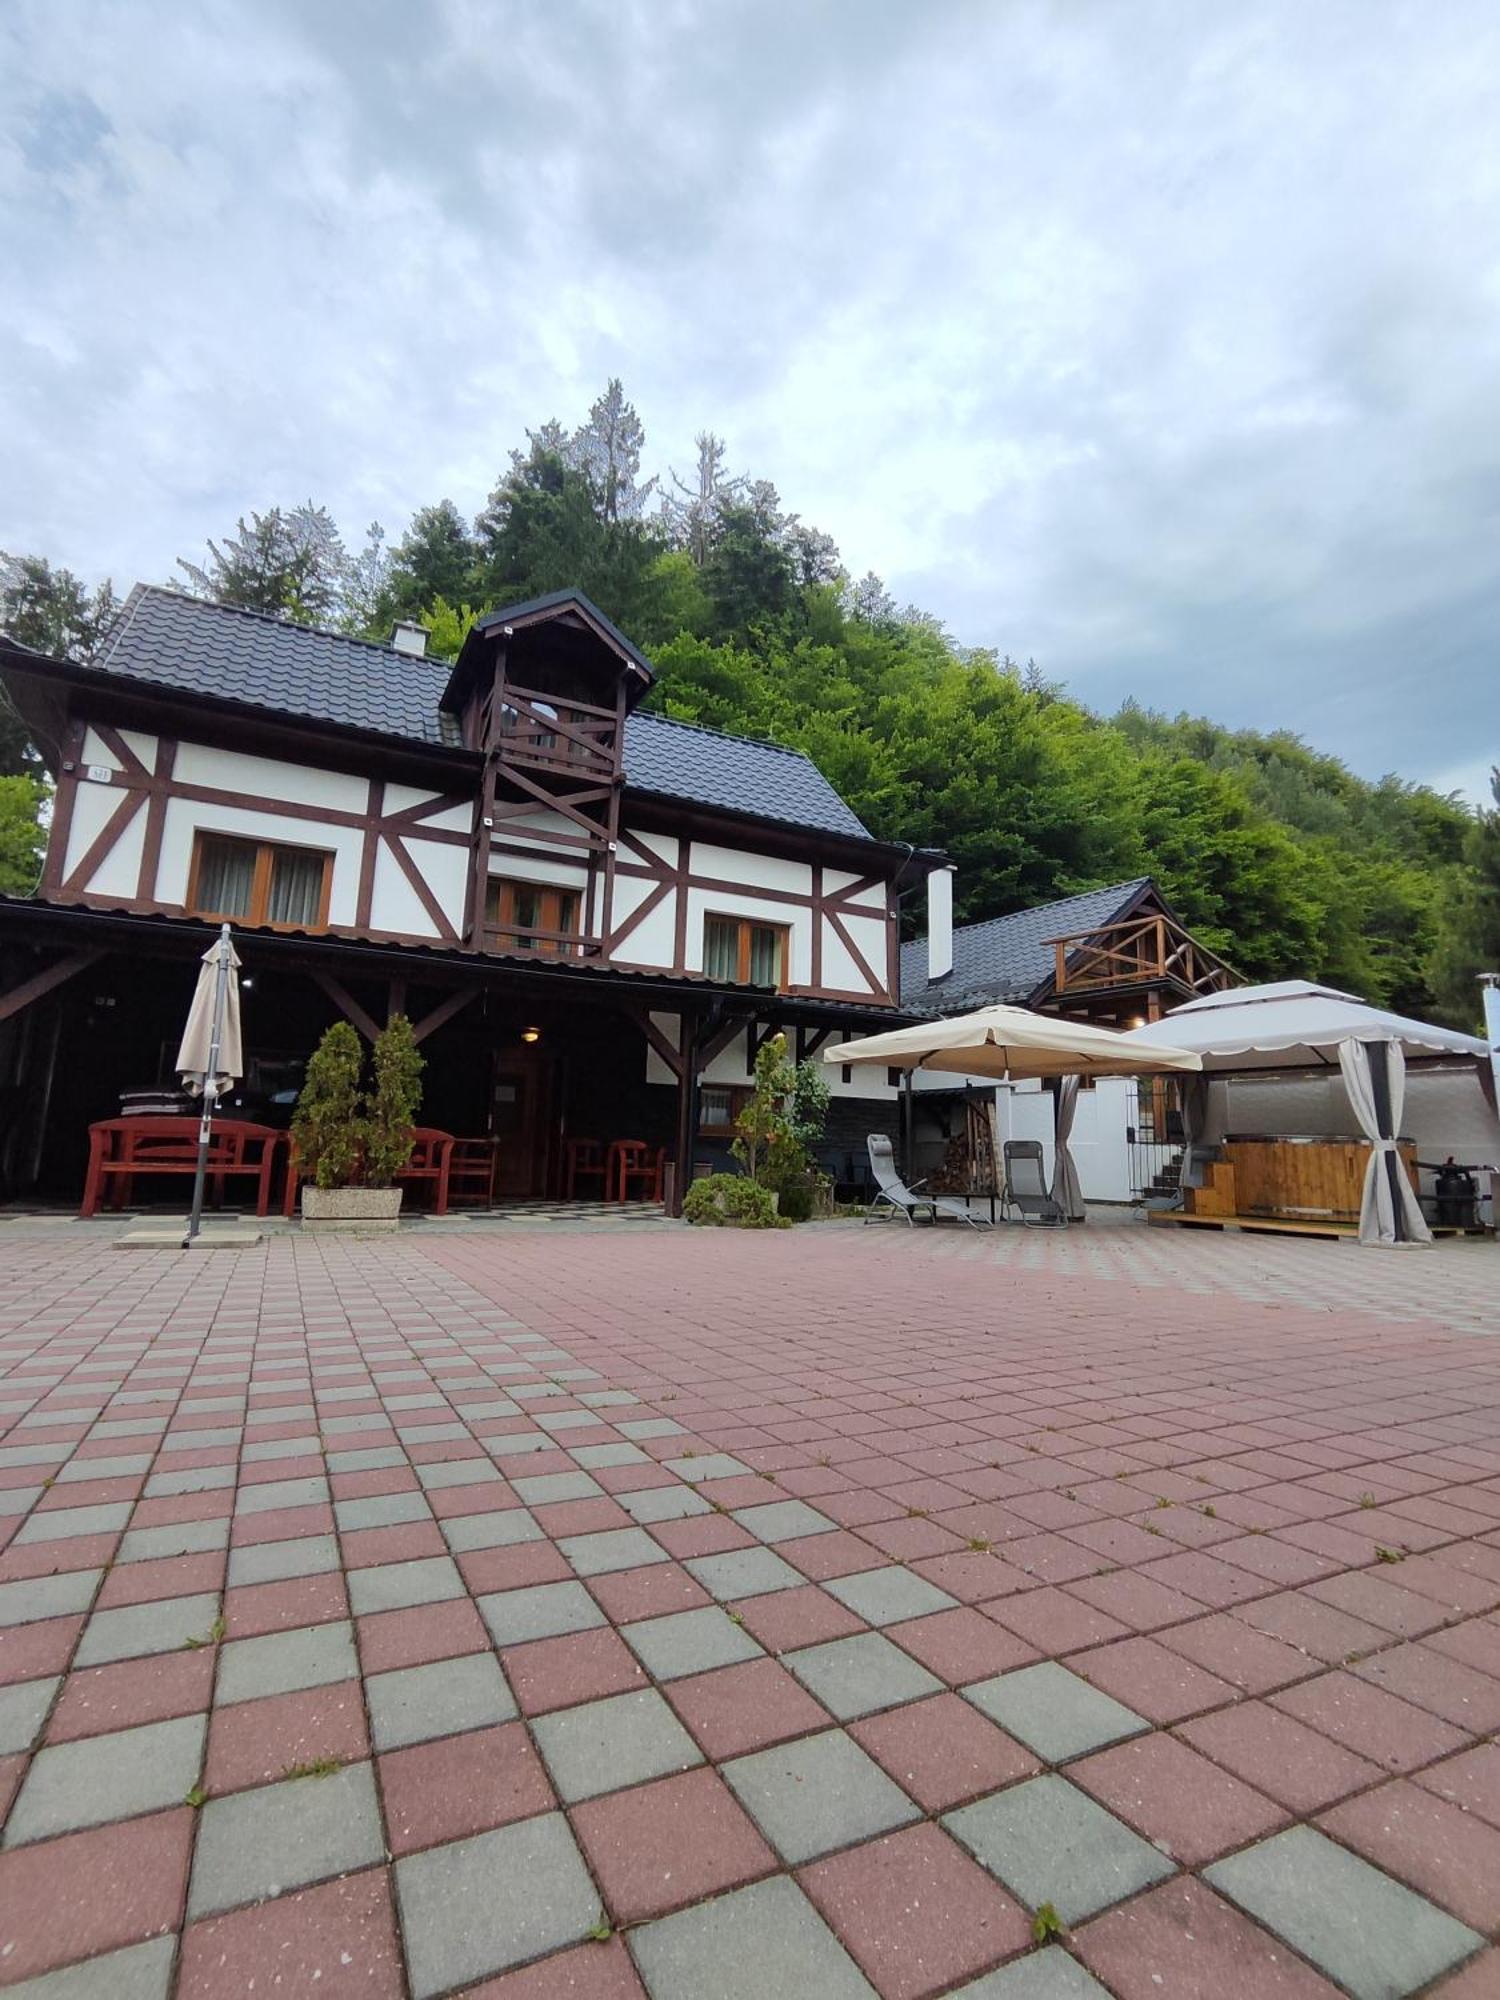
x: 442, y: 1013
x: 347, y: 1005
x: 46, y: 981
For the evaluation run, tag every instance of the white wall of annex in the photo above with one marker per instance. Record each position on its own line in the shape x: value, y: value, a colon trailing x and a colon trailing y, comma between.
x: 119, y: 873
x: 755, y: 871
x: 269, y: 779
x: 840, y: 968
x: 92, y: 806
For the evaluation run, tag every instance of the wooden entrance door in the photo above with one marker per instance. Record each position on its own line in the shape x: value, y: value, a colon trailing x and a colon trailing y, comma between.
x: 520, y: 1114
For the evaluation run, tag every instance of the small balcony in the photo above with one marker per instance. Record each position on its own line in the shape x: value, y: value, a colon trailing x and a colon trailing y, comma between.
x: 546, y: 734
x: 1137, y: 951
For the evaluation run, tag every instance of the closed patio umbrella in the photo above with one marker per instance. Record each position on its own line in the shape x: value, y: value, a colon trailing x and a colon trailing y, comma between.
x: 211, y: 1056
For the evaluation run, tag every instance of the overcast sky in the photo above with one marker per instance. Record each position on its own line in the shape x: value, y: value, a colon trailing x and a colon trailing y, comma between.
x: 1158, y: 341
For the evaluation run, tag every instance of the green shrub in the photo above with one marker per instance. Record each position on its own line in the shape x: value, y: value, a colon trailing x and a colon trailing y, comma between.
x: 731, y: 1200
x: 798, y: 1201
x: 391, y: 1107
x: 348, y: 1137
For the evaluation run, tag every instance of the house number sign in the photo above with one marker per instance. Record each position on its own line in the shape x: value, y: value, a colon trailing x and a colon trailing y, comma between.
x: 98, y: 774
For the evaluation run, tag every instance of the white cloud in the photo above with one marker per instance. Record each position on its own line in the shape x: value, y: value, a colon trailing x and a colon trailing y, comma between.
x: 1157, y: 342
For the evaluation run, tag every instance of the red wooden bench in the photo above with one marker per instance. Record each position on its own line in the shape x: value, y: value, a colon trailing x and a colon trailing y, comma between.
x: 428, y: 1166
x: 121, y: 1148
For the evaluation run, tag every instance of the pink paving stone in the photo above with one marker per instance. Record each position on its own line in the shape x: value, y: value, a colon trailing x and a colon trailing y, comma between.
x: 1298, y: 1767
x: 12, y: 1770
x: 45, y: 1647
x: 907, y: 1539
x: 57, y: 1558
x: 1436, y: 1846
x: 1373, y: 1724
x: 161, y: 1577
x: 1184, y: 1941
x: 1476, y: 1643
x: 702, y: 1535
x: 1434, y: 1681
x: 600, y: 1971
x: 1055, y: 1621
x: 581, y: 1517
x: 278, y: 1607
x: 1479, y: 1980
x: 660, y: 1846
x: 88, y: 1493
x: 511, y: 1568
x: 449, y: 1503
x: 943, y: 1751
x: 823, y: 1556
x: 91, y: 1892
x: 1403, y: 1613
x: 1320, y: 1630
x: 363, y: 1548
x: 1457, y: 1590
x: 782, y: 1620
x: 973, y: 1577
x: 915, y: 1912
x: 1276, y: 1563
x: 357, y: 1485
x: 419, y: 1634
x: 460, y: 1785
x: 578, y: 1666
x: 174, y: 1508
x: 627, y: 1594
x: 1136, y: 1600
x: 1155, y: 1682
x: 262, y: 1471
x: 1213, y: 1582
x: 1191, y: 1808
x: 1470, y: 1780
x: 255, y: 1742
x: 1249, y: 1660
x: 99, y: 1699
x: 337, y: 1940
x: 858, y: 1509
x: 733, y: 1710
x: 962, y: 1645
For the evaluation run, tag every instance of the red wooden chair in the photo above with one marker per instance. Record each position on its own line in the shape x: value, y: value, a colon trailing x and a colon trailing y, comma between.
x: 471, y: 1172
x: 585, y: 1161
x: 428, y: 1166
x: 635, y: 1165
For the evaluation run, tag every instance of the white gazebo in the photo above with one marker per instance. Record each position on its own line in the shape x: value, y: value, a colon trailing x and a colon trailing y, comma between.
x: 1293, y: 1025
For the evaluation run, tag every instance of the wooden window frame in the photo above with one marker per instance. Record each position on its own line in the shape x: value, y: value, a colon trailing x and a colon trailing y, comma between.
x: 742, y: 967
x: 740, y: 1095
x: 559, y: 940
x: 260, y: 885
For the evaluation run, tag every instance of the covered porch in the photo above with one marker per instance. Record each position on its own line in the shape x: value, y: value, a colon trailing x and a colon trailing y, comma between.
x: 547, y: 1068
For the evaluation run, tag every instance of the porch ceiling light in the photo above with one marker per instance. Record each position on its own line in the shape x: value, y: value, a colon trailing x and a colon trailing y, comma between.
x: 531, y: 1034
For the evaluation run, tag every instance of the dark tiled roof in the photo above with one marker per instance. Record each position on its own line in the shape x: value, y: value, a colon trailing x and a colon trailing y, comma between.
x: 1004, y: 961
x: 174, y: 641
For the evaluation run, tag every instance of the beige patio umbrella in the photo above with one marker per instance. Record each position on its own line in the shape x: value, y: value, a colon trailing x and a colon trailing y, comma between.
x: 1013, y: 1042
x: 212, y: 1055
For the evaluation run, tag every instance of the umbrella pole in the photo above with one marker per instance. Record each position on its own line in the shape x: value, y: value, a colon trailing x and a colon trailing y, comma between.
x: 210, y: 1089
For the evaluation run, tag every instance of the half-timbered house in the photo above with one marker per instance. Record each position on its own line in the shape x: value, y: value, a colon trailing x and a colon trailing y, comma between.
x: 593, y: 914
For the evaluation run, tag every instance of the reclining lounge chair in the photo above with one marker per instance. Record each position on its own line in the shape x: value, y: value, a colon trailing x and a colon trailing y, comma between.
x: 1026, y: 1188
x: 900, y: 1199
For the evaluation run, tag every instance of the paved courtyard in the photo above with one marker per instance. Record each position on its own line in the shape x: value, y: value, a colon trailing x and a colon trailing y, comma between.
x: 522, y: 1610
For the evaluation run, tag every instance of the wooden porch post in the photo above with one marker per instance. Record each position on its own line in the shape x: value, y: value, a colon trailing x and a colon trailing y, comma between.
x: 687, y: 1111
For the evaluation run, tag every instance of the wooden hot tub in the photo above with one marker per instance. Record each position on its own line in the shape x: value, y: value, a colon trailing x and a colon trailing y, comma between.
x: 1309, y: 1180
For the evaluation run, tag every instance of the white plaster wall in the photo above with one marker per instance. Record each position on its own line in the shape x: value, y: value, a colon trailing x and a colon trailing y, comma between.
x: 506, y: 866
x: 731, y: 1065
x: 455, y: 819
x: 665, y: 845
x: 92, y: 806
x: 266, y: 778
x: 96, y: 751
x: 840, y: 969
x: 119, y: 873
x: 759, y: 871
x: 187, y: 817
x: 445, y: 870
x: 394, y: 903
x: 654, y: 938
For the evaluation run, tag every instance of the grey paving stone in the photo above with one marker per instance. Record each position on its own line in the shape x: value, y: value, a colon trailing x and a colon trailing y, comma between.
x: 282, y: 1662
x: 275, y: 1493
x: 604, y: 1745
x: 857, y: 1676
x: 458, y: 1472
x: 191, y: 1479
x: 139, y: 1972
x: 275, y: 1562
x: 1054, y: 1712
x: 1042, y: 1975
x: 650, y: 1427
x: 783, y: 1520
x: 689, y: 1642
x: 431, y: 1433
x: 884, y: 1596
x: 20, y: 1499
x: 518, y: 1444
x: 500, y: 1530
x: 744, y: 1573
x: 593, y: 1456
x: 441, y: 1699
x: 122, y: 1467
x: 135, y: 1630
x: 180, y: 1538
x: 110, y: 1777
x: 540, y: 1488
x: 476, y: 1906
x: 34, y: 1454
x: 1376, y: 1937
x: 766, y: 1942
x: 23, y: 1710
x: 707, y: 1465
x: 394, y: 1586
x: 601, y: 1399
x: 1050, y: 1843
x: 270, y: 1449
x: 58, y: 1524
x: 612, y: 1549
x: 278, y: 1837
x: 367, y: 1458
x: 381, y: 1510
x: 569, y: 1420
x: 663, y: 1503
x: 539, y: 1611
x: 817, y: 1794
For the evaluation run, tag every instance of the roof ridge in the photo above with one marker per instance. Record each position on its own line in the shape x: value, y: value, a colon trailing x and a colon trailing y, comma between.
x: 170, y: 590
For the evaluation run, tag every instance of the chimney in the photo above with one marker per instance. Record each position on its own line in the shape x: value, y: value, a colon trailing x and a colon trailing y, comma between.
x: 939, y: 923
x: 411, y: 638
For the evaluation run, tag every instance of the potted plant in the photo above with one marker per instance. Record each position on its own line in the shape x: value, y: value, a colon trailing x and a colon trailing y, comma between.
x: 774, y: 1134
x: 352, y: 1143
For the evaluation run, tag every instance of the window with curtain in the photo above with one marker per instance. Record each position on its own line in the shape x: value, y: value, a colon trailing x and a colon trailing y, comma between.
x: 741, y: 952
x: 526, y: 912
x: 260, y: 882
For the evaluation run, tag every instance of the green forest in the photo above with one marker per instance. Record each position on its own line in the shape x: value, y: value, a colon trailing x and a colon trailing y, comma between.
x: 1275, y: 854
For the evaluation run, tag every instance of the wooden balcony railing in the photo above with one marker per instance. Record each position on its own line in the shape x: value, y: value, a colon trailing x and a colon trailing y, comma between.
x: 1134, y: 952
x: 538, y: 943
x: 574, y: 736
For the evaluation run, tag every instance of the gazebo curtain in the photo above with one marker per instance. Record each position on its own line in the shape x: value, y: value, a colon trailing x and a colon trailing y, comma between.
x: 1194, y: 1101
x: 1389, y: 1211
x: 1067, y: 1191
